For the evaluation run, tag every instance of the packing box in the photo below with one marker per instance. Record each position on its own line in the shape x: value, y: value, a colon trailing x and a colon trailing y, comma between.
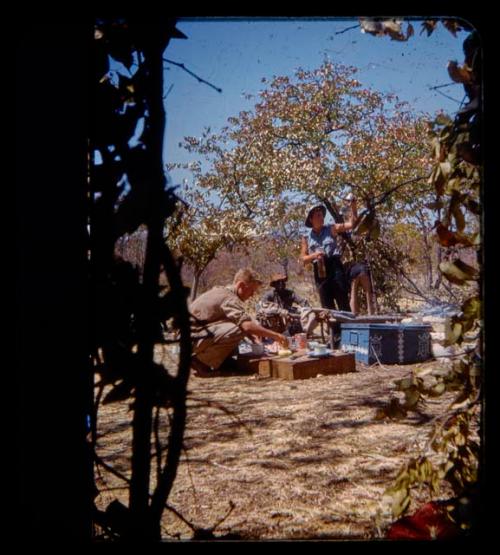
x: 305, y: 366
x: 299, y: 367
x: 258, y: 364
x: 387, y: 343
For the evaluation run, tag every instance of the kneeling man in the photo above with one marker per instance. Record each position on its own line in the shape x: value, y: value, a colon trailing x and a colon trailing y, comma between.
x: 221, y: 322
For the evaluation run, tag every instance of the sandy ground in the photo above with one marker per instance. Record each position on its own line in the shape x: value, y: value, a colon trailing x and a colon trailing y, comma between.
x: 280, y: 459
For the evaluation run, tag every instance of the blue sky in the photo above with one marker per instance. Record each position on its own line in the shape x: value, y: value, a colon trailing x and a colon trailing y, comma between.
x: 234, y: 55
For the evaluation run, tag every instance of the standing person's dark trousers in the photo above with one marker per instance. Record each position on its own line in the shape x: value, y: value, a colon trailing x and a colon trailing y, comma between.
x: 334, y: 289
x: 334, y: 292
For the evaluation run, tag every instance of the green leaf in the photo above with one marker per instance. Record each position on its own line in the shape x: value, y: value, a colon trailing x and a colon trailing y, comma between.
x: 457, y: 271
x: 443, y: 119
x: 435, y: 483
x: 445, y: 168
x: 404, y: 383
x: 449, y: 238
x: 436, y: 146
x: 412, y: 397
x: 448, y: 465
x: 400, y: 505
x: 471, y: 308
x: 455, y: 210
x: 427, y: 470
x: 371, y: 26
x: 466, y: 268
x: 454, y: 185
x: 454, y: 334
x: 438, y: 180
x: 459, y: 218
x: 460, y: 439
x: 460, y: 74
x: 438, y: 389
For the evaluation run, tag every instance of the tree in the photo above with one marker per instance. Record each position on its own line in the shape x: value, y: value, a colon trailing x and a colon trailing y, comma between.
x: 317, y: 136
x: 129, y: 191
x: 203, y: 230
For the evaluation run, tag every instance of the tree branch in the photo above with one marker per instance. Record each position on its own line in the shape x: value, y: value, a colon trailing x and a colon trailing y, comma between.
x: 200, y: 80
x: 348, y: 29
x: 416, y: 290
x: 442, y: 86
x: 384, y: 196
x: 448, y: 96
x: 99, y: 461
x: 176, y: 437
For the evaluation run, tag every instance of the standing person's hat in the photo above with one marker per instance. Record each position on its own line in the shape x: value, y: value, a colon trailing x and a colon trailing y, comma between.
x: 308, y: 223
x: 277, y: 277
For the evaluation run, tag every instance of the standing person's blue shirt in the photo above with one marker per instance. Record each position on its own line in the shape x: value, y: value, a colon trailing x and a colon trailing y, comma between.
x: 320, y: 244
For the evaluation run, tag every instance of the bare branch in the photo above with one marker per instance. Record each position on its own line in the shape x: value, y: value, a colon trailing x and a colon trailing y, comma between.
x: 99, y: 461
x: 442, y: 86
x: 449, y: 97
x: 176, y: 436
x: 156, y: 430
x: 200, y: 80
x: 178, y: 515
x: 348, y: 29
x: 168, y: 92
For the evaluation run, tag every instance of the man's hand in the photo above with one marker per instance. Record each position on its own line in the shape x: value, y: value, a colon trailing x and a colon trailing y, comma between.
x: 282, y: 339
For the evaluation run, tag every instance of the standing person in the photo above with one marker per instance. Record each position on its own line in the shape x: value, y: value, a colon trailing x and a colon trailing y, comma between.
x: 358, y: 275
x: 221, y: 322
x: 321, y: 247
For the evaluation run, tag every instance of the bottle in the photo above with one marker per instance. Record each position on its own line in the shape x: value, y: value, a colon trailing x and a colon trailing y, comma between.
x: 301, y: 341
x: 320, y: 262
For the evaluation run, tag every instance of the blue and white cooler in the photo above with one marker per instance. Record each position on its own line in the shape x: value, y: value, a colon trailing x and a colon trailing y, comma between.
x: 387, y: 343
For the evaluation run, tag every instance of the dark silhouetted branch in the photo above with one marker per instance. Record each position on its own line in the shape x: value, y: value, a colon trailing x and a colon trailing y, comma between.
x: 442, y: 86
x: 348, y: 29
x: 449, y: 97
x: 182, y: 66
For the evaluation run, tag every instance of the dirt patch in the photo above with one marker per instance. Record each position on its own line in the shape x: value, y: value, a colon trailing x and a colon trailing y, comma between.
x: 286, y: 459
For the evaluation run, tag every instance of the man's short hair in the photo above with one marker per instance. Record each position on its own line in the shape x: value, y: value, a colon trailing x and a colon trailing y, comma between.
x: 248, y: 276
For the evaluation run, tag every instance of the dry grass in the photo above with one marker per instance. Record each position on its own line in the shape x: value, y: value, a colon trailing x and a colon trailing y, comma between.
x: 296, y: 459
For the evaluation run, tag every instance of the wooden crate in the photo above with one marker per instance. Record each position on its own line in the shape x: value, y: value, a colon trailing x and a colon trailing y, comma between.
x: 309, y: 367
x: 257, y: 364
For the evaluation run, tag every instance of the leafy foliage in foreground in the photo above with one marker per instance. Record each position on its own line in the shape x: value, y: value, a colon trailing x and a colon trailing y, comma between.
x: 129, y: 193
x: 452, y: 454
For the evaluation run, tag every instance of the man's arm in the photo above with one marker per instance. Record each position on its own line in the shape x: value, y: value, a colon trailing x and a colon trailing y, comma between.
x: 253, y: 328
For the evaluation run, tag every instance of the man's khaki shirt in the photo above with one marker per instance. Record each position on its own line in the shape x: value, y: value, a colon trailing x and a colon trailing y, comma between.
x: 220, y: 304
